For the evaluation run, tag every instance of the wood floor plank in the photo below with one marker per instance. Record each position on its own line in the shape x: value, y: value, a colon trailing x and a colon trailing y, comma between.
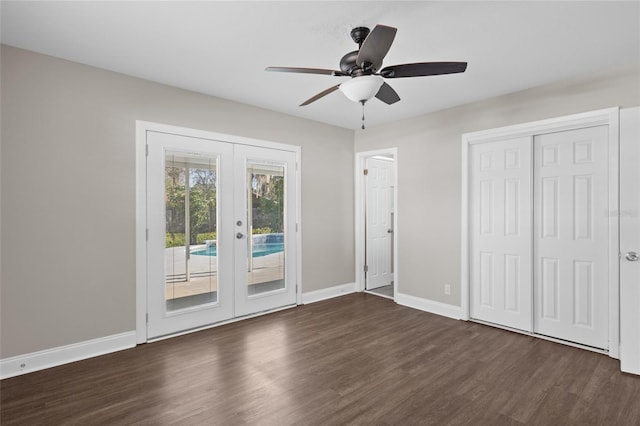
x: 356, y: 359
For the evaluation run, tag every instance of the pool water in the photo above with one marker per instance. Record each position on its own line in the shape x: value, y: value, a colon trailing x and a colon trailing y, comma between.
x: 259, y: 250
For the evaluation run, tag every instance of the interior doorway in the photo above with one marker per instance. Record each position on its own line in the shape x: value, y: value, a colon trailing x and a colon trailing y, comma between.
x: 376, y: 222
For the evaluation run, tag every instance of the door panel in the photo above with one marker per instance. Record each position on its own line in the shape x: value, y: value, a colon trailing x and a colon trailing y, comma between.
x: 500, y: 247
x: 379, y: 229
x: 571, y: 235
x: 190, y: 253
x: 629, y: 240
x: 265, y: 223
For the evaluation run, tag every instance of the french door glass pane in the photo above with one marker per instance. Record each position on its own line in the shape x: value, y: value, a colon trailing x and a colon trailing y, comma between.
x: 191, y: 261
x: 265, y: 245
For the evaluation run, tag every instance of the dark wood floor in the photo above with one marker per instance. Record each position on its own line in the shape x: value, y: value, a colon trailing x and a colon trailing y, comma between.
x: 357, y: 359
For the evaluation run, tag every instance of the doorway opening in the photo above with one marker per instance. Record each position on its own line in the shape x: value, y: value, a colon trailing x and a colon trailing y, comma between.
x: 376, y: 222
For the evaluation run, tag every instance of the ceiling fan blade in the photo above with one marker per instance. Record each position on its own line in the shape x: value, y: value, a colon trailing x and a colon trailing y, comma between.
x: 375, y: 46
x: 320, y: 95
x: 421, y: 69
x: 387, y: 95
x: 306, y: 70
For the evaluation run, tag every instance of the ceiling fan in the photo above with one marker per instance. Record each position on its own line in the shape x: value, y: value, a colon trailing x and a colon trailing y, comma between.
x: 363, y: 66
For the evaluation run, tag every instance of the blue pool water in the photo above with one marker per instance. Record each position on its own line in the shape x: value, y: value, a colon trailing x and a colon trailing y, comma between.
x: 259, y: 250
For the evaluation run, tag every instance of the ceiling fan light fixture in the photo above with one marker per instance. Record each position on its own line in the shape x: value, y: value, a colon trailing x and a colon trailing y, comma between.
x: 361, y: 89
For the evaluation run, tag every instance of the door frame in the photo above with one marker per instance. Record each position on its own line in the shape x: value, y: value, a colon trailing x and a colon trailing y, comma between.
x: 360, y: 194
x: 608, y: 117
x: 142, y: 127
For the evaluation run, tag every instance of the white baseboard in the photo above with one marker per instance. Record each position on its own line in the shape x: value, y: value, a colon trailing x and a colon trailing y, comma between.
x: 430, y: 306
x: 53, y: 357
x: 328, y: 293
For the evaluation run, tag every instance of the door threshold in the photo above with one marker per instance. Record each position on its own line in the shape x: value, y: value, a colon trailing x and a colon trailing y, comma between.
x: 543, y: 337
x: 379, y: 294
x: 219, y: 323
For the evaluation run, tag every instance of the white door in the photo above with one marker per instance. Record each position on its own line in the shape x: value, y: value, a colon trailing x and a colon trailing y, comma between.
x: 265, y: 229
x: 571, y: 236
x: 500, y: 236
x: 630, y: 240
x: 378, y: 222
x: 205, y: 261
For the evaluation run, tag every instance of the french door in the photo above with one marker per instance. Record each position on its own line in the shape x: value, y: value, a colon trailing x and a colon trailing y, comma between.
x: 221, y: 231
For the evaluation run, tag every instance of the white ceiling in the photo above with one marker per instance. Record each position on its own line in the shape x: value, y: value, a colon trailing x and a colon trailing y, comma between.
x: 221, y: 48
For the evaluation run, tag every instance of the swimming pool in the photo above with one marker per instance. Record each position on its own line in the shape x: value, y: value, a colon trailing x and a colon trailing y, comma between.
x: 259, y: 250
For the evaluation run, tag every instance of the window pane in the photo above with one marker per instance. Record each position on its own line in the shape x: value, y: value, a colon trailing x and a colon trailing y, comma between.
x: 265, y: 247
x: 191, y: 228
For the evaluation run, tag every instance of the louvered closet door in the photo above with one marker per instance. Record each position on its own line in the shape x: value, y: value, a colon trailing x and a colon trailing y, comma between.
x: 500, y: 246
x: 571, y: 235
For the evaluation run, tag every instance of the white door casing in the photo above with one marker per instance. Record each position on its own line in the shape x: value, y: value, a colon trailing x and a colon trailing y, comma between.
x: 571, y: 233
x: 379, y: 226
x: 630, y: 240
x: 500, y: 247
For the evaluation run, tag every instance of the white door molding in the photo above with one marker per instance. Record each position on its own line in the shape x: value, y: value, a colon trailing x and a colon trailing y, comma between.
x: 608, y: 117
x: 360, y: 159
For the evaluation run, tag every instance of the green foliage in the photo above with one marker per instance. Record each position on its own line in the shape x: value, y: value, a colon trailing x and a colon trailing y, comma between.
x: 268, y: 203
x: 201, y: 238
x: 265, y: 230
x: 173, y: 239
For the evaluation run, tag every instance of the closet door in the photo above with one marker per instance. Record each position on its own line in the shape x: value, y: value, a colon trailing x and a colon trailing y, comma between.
x: 500, y: 234
x: 571, y: 235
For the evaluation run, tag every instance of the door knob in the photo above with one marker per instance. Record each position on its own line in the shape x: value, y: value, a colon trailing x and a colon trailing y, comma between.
x: 389, y: 231
x: 631, y: 256
x: 239, y: 235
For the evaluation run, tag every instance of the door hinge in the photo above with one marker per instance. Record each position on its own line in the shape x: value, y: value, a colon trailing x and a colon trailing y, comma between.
x: 146, y: 150
x: 296, y: 166
x: 147, y: 316
x: 366, y: 172
x: 296, y: 227
x: 146, y: 234
x: 366, y: 268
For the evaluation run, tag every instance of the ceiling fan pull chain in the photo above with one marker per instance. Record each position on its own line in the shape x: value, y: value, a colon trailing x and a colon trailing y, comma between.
x: 362, y: 102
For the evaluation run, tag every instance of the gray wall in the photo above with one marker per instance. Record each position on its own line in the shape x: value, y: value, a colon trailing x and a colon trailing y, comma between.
x: 429, y: 168
x: 68, y: 193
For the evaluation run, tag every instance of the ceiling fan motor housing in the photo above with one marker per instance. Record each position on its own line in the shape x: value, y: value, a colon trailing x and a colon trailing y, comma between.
x: 348, y: 63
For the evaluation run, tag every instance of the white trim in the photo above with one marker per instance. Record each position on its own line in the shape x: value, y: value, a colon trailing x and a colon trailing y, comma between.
x: 35, y: 361
x: 359, y: 217
x: 609, y: 117
x: 299, y: 226
x: 142, y: 127
x: 328, y: 293
x: 541, y: 127
x: 464, y: 234
x: 141, y: 231
x: 431, y: 306
x: 613, y: 120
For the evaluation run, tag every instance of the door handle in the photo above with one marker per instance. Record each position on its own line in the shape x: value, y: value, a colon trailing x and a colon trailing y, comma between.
x: 389, y: 231
x: 239, y: 235
x: 631, y: 256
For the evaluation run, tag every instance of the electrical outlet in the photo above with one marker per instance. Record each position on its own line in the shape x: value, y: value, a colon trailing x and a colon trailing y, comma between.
x: 447, y: 289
